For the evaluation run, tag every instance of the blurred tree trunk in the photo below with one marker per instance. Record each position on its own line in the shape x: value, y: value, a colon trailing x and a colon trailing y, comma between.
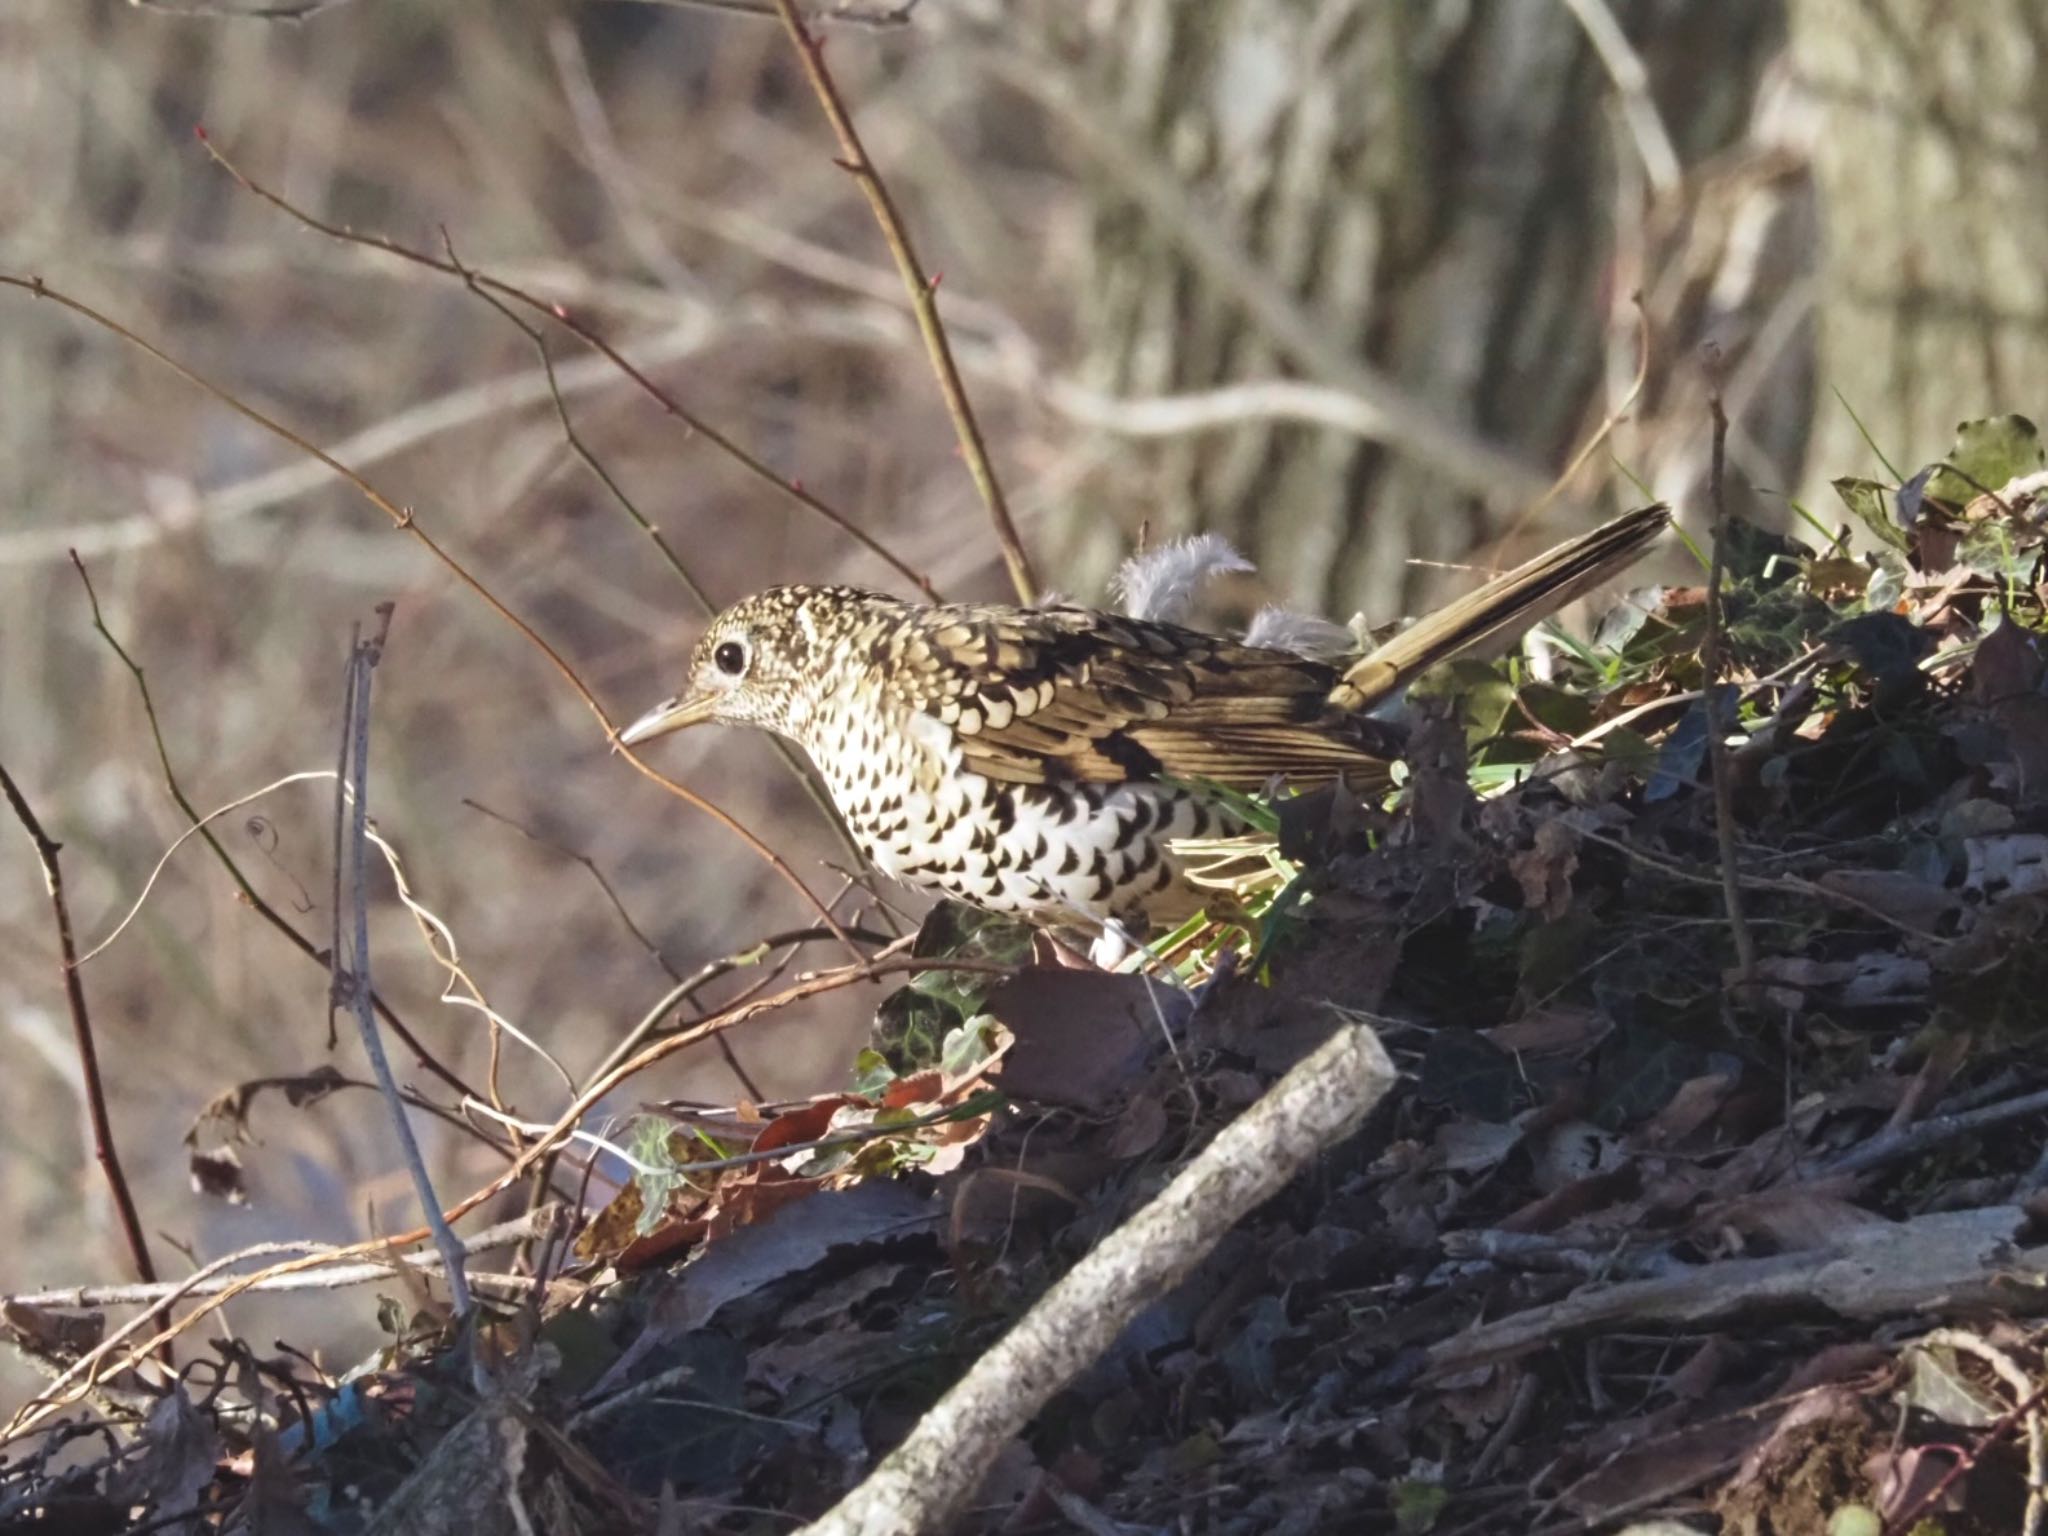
x: 1929, y: 158
x: 1433, y: 188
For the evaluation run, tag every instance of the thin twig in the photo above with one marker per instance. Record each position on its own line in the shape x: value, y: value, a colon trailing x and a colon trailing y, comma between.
x: 326, y: 1082
x: 1711, y: 647
x: 806, y: 779
x: 80, y: 1296
x: 687, y: 987
x: 355, y: 980
x: 558, y: 313
x: 1888, y: 1146
x: 81, y: 1030
x: 974, y: 1107
x: 426, y: 1058
x: 77, y: 1379
x: 1793, y: 885
x: 403, y: 519
x: 618, y: 906
x: 923, y: 291
x: 880, y: 15
x: 156, y: 873
x: 1906, y: 1517
x: 338, y: 853
x: 611, y: 894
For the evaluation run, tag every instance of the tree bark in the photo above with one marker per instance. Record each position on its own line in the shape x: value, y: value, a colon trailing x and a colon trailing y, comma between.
x: 1928, y: 155
x: 1435, y: 188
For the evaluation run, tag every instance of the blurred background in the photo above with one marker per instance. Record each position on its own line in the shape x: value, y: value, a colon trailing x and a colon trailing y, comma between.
x: 1348, y: 281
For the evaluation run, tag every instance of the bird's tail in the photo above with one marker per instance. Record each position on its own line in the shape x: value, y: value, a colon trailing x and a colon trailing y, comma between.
x: 1504, y: 605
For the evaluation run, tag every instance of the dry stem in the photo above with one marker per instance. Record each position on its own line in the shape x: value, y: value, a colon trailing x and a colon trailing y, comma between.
x: 77, y: 1379
x: 352, y: 984
x: 81, y: 1030
x: 1711, y: 647
x: 924, y: 295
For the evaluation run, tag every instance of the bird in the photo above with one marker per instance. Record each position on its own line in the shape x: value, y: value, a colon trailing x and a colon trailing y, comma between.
x: 1043, y: 762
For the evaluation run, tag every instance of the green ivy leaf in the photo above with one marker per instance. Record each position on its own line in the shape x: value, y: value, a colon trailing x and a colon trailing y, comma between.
x: 1871, y: 504
x: 1989, y: 453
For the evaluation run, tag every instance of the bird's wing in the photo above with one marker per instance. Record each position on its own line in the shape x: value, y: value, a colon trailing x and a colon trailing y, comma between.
x: 1060, y: 695
x: 1048, y: 695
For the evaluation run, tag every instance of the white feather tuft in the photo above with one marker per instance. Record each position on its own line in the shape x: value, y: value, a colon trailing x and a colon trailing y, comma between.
x: 1304, y: 634
x: 1162, y: 583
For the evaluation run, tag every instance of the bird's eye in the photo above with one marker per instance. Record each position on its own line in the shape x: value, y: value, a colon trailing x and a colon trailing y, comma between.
x: 730, y: 658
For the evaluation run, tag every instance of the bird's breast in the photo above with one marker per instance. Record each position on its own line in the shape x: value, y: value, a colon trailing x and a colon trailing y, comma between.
x: 1074, y: 852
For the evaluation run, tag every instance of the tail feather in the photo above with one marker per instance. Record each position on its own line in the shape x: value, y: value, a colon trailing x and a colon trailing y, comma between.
x: 1506, y: 604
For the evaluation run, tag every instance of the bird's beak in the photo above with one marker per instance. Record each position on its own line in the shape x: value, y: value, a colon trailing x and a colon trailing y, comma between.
x: 671, y: 715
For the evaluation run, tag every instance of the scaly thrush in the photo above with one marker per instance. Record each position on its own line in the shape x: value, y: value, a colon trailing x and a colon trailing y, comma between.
x: 1040, y: 761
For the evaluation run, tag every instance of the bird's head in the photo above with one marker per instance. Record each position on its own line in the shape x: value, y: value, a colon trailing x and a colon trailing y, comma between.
x: 756, y: 663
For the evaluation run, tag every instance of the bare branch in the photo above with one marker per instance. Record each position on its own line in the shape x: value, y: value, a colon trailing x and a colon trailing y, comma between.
x: 116, y: 1350
x: 923, y: 291
x: 426, y: 1058
x: 81, y: 1031
x: 402, y: 518
x: 354, y: 980
x: 561, y: 316
x: 942, y: 1461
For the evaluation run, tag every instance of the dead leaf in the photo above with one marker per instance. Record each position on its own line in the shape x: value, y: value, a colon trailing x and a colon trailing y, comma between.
x: 1902, y: 897
x: 791, y: 1240
x: 1792, y: 982
x: 1796, y: 1218
x: 227, y: 1113
x: 2007, y: 665
x: 1697, y: 1101
x: 1662, y: 1466
x: 1082, y: 1037
x: 44, y: 1334
x: 2015, y: 864
x: 1544, y: 870
x: 1937, y: 1385
x: 180, y: 1452
x: 1138, y: 1128
x: 1473, y: 1146
x: 1558, y: 1030
x: 1574, y: 1151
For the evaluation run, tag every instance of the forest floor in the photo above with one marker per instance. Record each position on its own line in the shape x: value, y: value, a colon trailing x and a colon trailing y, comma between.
x: 1731, y: 1221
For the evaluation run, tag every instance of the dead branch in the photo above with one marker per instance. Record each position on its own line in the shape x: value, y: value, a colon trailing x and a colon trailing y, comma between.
x: 352, y: 984
x: 921, y: 1483
x: 520, y: 1229
x: 1946, y: 1262
x: 103, y: 1147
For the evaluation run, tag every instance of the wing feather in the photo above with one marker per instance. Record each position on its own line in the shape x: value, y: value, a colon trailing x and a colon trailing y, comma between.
x: 1064, y: 695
